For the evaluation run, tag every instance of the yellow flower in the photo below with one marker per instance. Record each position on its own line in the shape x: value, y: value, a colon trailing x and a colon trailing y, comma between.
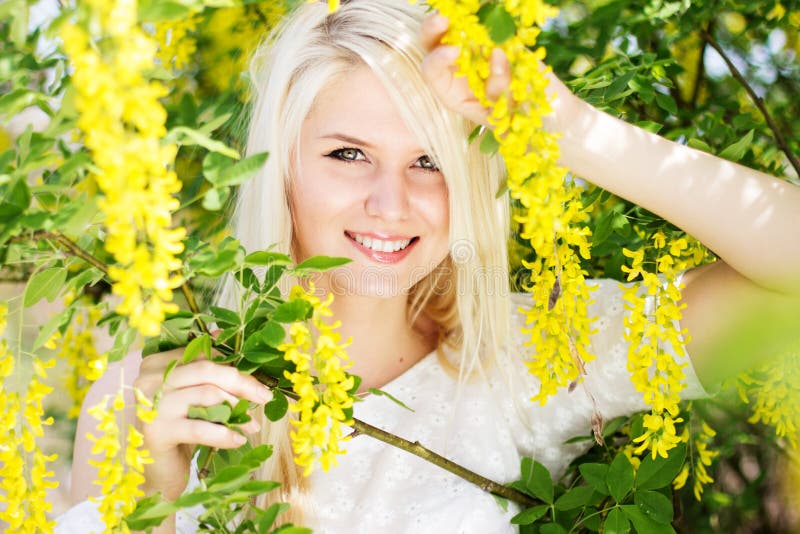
x: 660, y: 435
x: 324, y: 404
x: 123, y: 122
x: 121, y: 467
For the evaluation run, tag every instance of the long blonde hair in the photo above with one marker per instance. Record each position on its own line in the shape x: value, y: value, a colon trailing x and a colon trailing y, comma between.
x: 467, y: 295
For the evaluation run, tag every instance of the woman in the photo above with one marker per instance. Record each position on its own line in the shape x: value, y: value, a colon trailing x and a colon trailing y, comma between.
x: 367, y: 132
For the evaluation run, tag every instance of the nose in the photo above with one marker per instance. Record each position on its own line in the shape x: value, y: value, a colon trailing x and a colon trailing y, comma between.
x: 388, y: 197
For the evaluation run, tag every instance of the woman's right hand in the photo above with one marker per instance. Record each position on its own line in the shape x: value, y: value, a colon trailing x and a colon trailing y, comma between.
x: 171, y: 436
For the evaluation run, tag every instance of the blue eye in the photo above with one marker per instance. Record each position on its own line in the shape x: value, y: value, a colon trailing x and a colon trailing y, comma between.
x: 346, y: 154
x: 427, y: 163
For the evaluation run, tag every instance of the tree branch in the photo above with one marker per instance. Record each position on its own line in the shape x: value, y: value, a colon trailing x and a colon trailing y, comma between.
x: 415, y: 448
x: 757, y: 100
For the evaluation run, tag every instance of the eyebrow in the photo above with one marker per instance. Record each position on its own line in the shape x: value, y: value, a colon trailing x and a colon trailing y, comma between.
x: 347, y: 139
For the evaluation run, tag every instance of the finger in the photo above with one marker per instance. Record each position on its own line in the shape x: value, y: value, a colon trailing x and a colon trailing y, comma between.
x: 433, y: 28
x: 199, y: 432
x: 223, y: 376
x: 176, y: 404
x: 500, y: 75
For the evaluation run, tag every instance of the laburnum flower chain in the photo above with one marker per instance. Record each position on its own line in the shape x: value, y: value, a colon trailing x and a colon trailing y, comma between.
x: 654, y: 340
x: 123, y: 123
x: 122, y: 459
x: 24, y: 473
x: 552, y: 210
x: 325, y: 398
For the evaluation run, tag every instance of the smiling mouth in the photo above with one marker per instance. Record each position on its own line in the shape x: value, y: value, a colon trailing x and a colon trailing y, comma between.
x: 381, y: 245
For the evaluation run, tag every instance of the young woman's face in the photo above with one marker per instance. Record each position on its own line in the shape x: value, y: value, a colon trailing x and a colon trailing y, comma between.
x: 366, y: 190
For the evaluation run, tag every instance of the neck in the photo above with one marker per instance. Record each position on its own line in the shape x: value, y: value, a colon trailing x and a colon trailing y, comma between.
x: 384, y: 343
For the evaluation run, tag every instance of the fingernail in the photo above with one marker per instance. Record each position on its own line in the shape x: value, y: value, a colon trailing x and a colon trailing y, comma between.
x: 264, y: 394
x: 498, y: 62
x: 440, y: 21
x: 239, y: 439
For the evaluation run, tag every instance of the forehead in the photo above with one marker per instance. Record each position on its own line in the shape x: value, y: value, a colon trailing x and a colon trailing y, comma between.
x: 357, y: 104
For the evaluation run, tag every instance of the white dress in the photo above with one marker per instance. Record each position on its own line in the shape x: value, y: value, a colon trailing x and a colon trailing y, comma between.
x: 377, y: 488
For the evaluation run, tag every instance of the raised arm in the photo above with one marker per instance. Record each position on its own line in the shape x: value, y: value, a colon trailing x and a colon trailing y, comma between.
x: 739, y: 310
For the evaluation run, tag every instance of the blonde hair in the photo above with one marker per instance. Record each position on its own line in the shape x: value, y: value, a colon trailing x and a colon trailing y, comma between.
x: 467, y: 295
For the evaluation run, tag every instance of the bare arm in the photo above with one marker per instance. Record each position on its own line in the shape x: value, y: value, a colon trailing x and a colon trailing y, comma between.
x: 749, y: 219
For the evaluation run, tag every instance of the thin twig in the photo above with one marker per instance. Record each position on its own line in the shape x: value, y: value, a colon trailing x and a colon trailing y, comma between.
x: 757, y: 100
x: 415, y: 448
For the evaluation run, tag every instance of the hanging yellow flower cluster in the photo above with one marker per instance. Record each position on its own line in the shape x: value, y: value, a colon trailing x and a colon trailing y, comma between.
x: 123, y: 122
x: 84, y: 363
x: 699, y: 458
x: 175, y: 45
x: 651, y: 331
x: 774, y: 395
x: 120, y: 472
x: 552, y: 209
x: 24, y: 474
x: 324, y: 398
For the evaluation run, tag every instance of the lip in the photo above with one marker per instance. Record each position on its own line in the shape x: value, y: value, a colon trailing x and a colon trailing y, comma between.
x: 382, y: 257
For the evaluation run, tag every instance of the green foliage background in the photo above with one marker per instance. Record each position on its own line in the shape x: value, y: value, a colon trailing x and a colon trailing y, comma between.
x: 650, y: 62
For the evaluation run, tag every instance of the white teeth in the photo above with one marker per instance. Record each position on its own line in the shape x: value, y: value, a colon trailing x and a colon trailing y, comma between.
x: 379, y: 245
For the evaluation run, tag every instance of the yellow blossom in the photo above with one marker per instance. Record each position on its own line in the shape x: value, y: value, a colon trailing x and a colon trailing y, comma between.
x: 325, y: 402
x: 121, y: 467
x: 123, y: 124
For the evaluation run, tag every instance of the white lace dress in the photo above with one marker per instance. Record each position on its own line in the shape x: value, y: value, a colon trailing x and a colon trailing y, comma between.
x: 377, y: 488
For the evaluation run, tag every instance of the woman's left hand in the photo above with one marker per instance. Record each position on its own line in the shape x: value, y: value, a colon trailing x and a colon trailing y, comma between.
x: 440, y: 70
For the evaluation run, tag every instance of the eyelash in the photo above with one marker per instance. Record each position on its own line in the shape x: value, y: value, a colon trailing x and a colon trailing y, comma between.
x: 337, y: 154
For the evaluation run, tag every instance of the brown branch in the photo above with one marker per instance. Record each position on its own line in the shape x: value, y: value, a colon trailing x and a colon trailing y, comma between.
x: 700, y: 70
x: 415, y: 448
x: 757, y: 100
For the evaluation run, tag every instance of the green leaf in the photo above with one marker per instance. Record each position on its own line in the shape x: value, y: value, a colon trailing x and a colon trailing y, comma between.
x: 150, y: 512
x: 658, y: 473
x: 214, y: 199
x: 185, y: 136
x: 266, y: 257
x: 200, y: 344
x: 489, y: 143
x: 620, y: 477
x: 276, y: 408
x: 498, y: 21
x: 380, y: 392
x: 50, y: 327
x: 737, y: 150
x: 320, y: 263
x: 256, y: 456
x: 530, y: 515
x: 616, y: 523
x: 292, y: 310
x: 699, y: 144
x: 163, y: 10
x: 268, y: 516
x: 271, y: 334
x: 44, y: 284
x: 536, y: 479
x: 552, y: 528
x: 574, y: 498
x: 219, y: 413
x: 595, y: 475
x: 241, y: 171
x: 225, y: 317
x: 643, y: 523
x: 667, y: 103
x: 229, y: 478
x: 14, y: 200
x: 474, y: 133
x: 654, y: 505
x: 194, y: 498
x: 618, y: 85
